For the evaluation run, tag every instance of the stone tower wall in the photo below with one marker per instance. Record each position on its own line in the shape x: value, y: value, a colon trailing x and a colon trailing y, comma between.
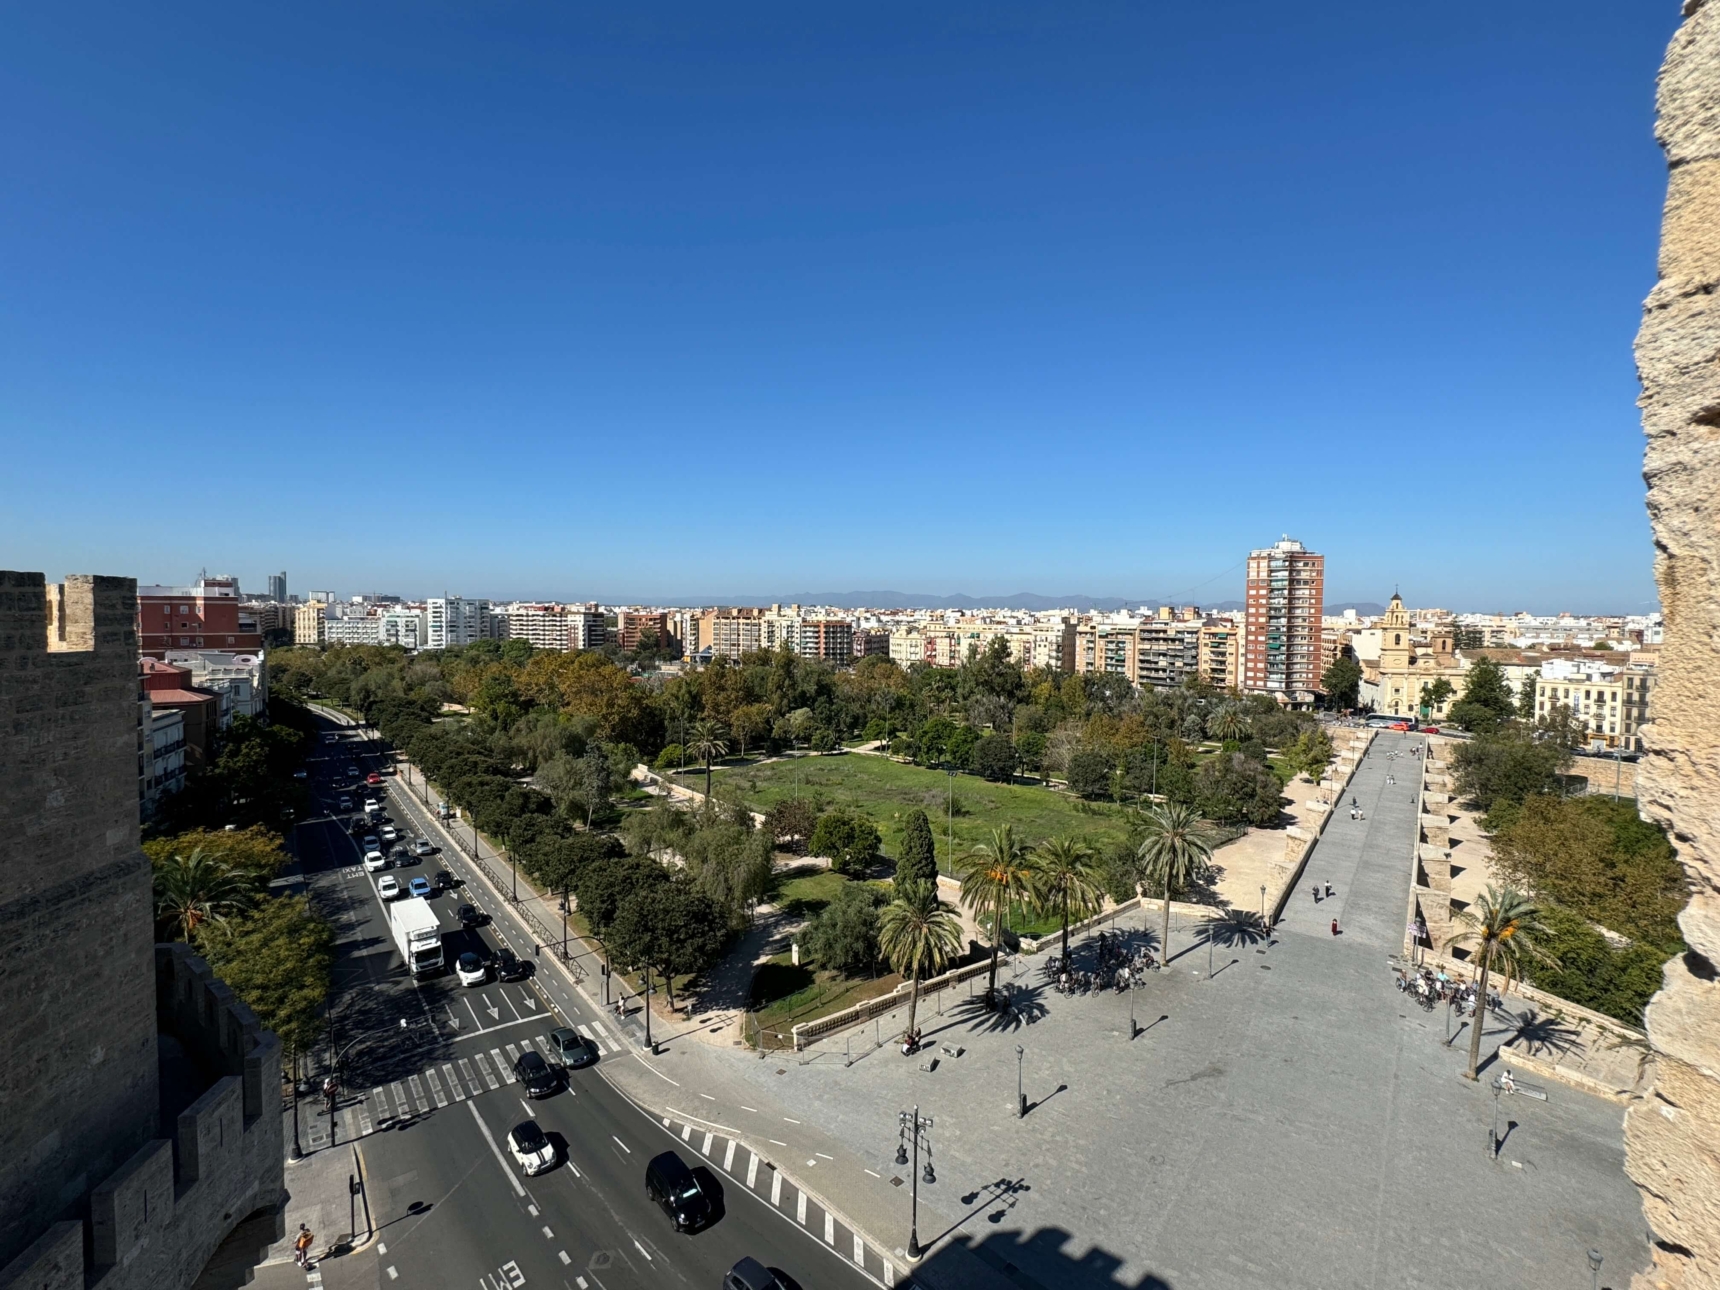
x: 78, y: 1068
x: 1672, y: 1137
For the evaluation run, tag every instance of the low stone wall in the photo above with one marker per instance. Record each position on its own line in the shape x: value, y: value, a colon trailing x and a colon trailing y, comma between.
x: 808, y: 1031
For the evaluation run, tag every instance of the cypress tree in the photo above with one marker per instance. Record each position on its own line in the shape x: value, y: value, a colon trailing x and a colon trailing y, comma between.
x: 918, y: 861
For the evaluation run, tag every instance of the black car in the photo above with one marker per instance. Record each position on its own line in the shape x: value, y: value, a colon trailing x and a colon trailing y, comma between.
x: 510, y: 967
x: 750, y: 1274
x: 447, y: 881
x: 539, y: 1078
x: 672, y: 1186
x: 572, y: 1049
x: 359, y: 827
x: 469, y: 916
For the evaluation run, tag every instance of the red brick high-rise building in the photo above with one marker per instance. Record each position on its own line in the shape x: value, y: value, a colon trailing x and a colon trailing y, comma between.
x: 1282, y: 653
x: 206, y: 615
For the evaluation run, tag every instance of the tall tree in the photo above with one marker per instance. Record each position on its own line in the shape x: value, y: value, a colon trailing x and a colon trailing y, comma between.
x: 1499, y: 928
x: 669, y: 927
x: 997, y: 876
x: 1434, y: 693
x: 1070, y: 880
x: 1173, y: 854
x: 1228, y: 721
x: 1342, y: 682
x: 706, y: 742
x: 194, y: 889
x: 1487, y: 702
x: 918, y: 861
x: 277, y: 958
x: 919, y: 935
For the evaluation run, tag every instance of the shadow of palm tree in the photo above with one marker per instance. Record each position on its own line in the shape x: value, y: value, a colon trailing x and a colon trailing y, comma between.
x: 1538, y: 1033
x: 1235, y: 928
x: 1019, y: 1004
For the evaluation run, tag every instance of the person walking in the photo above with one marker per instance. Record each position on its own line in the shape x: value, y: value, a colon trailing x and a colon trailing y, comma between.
x: 1328, y: 891
x: 302, y: 1246
x: 1334, y: 927
x: 1316, y: 892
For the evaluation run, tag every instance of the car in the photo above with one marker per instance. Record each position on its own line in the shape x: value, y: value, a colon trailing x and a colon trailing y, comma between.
x: 422, y: 847
x: 388, y: 887
x: 352, y: 772
x: 401, y: 858
x: 373, y: 779
x: 470, y: 969
x: 388, y: 833
x: 371, y: 842
x: 301, y: 774
x: 345, y: 803
x: 418, y: 887
x: 469, y: 916
x: 572, y: 1049
x: 1430, y: 730
x: 750, y: 1274
x: 446, y: 881
x: 671, y: 1185
x: 536, y: 1076
x: 374, y: 861
x: 510, y: 967
x: 357, y: 827
x: 532, y: 1148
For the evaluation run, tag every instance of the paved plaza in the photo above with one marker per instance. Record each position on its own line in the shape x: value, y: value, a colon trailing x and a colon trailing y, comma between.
x: 1288, y: 1121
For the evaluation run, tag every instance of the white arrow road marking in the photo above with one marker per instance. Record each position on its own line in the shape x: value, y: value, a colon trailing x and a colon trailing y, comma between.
x: 495, y: 1012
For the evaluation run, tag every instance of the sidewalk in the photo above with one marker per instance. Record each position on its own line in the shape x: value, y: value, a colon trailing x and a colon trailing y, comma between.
x: 318, y: 1196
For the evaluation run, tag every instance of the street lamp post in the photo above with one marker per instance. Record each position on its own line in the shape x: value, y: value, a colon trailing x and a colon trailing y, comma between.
x: 298, y: 1151
x: 1263, y: 925
x: 649, y: 1042
x: 513, y: 868
x: 1020, y: 1097
x: 918, y: 1124
x: 1594, y: 1269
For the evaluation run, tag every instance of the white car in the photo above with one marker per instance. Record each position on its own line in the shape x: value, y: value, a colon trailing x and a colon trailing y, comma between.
x: 388, y: 887
x: 531, y: 1147
x: 388, y: 833
x: 421, y: 847
x: 471, y: 969
x: 375, y: 862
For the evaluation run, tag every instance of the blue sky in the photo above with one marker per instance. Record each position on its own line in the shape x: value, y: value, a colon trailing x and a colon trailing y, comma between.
x: 565, y: 300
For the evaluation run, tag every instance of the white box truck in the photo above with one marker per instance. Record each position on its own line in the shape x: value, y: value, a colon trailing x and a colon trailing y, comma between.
x: 417, y: 935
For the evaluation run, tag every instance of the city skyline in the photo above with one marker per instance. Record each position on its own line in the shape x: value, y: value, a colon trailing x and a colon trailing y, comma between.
x: 755, y: 305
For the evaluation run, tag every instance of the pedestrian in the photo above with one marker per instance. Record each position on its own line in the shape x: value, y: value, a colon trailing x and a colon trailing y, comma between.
x: 1316, y: 891
x: 302, y: 1246
x: 1328, y: 889
x: 1334, y: 927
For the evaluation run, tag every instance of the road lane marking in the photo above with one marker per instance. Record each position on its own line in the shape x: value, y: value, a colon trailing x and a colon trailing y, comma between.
x: 513, y: 1053
x: 393, y: 1275
x: 506, y: 1068
x: 548, y: 1235
x: 528, y: 1107
x: 435, y: 1083
x: 707, y: 1097
x: 820, y: 1153
x: 400, y: 1097
x: 562, y: 1255
x: 753, y: 1109
x: 791, y: 1121
x: 776, y: 1187
x: 752, y: 1169
x: 829, y: 1229
x: 859, y: 1250
x: 471, y: 1079
x: 800, y: 1207
x: 489, y: 1075
x: 729, y: 1157
x: 622, y: 1145
x: 643, y: 1250
x: 453, y: 1082
x: 773, y: 1142
x: 686, y: 1133
x: 706, y: 1149
x: 495, y: 1150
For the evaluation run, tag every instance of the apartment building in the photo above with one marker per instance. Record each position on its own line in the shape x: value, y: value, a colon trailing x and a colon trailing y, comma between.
x: 542, y: 626
x: 1168, y: 652
x: 1220, y: 651
x: 406, y: 626
x: 1282, y: 622
x: 352, y: 629
x: 1610, y: 700
x: 309, y: 623
x: 278, y: 587
x: 454, y: 620
x: 634, y: 627
x: 241, y: 679
x: 871, y: 643
x: 206, y: 614
x: 730, y: 631
x: 1109, y: 644
x: 830, y: 639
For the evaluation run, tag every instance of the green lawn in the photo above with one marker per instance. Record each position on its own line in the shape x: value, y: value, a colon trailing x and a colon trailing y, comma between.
x: 887, y: 790
x: 784, y: 995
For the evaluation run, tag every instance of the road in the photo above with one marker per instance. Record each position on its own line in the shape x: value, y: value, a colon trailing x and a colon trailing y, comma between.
x: 432, y: 1100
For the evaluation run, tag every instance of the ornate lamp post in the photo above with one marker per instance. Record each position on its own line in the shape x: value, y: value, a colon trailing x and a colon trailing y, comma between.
x: 917, y: 1124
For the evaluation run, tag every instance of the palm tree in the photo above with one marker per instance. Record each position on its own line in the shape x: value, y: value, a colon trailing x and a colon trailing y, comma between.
x: 1501, y: 926
x: 919, y: 935
x: 1070, y: 881
x: 995, y: 877
x: 1227, y: 722
x: 1173, y: 854
x: 707, y: 743
x: 194, y: 889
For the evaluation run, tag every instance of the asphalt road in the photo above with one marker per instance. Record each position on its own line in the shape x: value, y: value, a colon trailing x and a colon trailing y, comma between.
x: 435, y: 1100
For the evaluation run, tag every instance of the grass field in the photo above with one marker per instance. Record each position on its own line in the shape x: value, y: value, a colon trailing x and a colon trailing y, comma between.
x: 887, y: 790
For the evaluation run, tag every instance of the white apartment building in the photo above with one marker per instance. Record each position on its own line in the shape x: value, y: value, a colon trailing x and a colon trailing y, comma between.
x: 1612, y: 701
x: 454, y: 621
x: 404, y: 626
x: 243, y: 679
x: 358, y: 629
x: 160, y: 754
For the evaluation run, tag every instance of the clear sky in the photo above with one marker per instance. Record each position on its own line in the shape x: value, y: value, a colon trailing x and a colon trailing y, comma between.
x: 694, y: 300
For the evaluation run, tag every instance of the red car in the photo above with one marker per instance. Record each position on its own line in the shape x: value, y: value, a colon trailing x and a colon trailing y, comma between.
x: 373, y: 778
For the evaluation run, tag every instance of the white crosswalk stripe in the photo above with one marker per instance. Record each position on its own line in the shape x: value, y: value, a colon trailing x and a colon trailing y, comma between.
x: 405, y: 1107
x: 513, y: 1054
x: 435, y: 1082
x: 586, y: 1031
x: 472, y: 1084
x: 379, y: 1098
x: 489, y: 1075
x: 706, y: 1149
x: 506, y: 1068
x: 686, y: 1133
x: 418, y: 1093
x: 454, y: 1083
